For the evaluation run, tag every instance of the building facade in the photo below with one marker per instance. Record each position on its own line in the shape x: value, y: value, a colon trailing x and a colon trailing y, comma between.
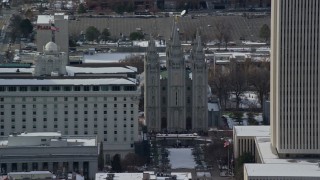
x: 89, y: 103
x: 295, y: 77
x: 174, y: 99
x: 49, y: 151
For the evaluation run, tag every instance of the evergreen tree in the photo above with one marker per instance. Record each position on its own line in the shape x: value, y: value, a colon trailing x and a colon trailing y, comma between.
x: 92, y: 33
x: 265, y: 32
x: 105, y: 35
x: 81, y: 9
x: 101, y: 158
x: 116, y: 163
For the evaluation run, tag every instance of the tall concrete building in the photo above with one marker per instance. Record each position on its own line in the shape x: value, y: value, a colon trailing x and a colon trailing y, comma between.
x: 175, y: 100
x: 295, y: 90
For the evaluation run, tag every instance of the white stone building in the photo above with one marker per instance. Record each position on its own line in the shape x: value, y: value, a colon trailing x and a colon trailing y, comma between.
x: 49, y: 151
x: 51, y: 62
x: 101, y: 101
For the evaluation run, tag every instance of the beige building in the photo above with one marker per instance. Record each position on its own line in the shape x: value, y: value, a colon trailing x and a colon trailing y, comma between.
x: 295, y: 77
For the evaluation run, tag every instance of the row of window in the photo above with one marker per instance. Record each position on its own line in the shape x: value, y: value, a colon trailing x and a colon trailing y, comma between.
x: 66, y: 106
x: 68, y: 88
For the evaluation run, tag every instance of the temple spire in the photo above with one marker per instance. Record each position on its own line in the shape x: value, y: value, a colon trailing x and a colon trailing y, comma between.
x: 175, y: 34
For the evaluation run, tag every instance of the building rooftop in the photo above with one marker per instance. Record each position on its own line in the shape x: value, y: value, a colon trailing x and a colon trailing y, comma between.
x: 139, y: 176
x: 71, y: 70
x: 213, y: 106
x: 255, y: 131
x: 264, y: 149
x: 104, y: 81
x: 48, y: 19
x: 282, y: 170
x: 51, y: 139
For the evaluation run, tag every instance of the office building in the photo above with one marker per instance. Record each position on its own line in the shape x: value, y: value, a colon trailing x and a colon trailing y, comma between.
x: 49, y: 151
x: 295, y: 91
x: 99, y: 101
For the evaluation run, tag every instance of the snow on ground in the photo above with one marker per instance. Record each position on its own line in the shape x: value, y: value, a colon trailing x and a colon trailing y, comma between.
x: 231, y: 122
x: 248, y: 100
x: 181, y: 158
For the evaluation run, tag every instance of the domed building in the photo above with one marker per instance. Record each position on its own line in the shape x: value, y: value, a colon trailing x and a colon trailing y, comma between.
x: 51, y: 61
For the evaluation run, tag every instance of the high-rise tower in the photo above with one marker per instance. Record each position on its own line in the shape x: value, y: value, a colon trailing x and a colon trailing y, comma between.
x: 295, y: 90
x: 152, y: 87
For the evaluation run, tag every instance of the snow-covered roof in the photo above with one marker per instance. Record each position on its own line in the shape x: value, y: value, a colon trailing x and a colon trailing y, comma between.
x: 37, y: 134
x: 107, y: 57
x: 213, y: 107
x: 254, y: 131
x: 44, y: 19
x: 139, y: 176
x: 282, y: 170
x: 31, y: 172
x: 99, y: 70
x: 26, y: 82
x: 266, y: 155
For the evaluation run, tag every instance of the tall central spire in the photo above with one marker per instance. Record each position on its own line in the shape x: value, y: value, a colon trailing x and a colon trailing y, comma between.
x: 175, y: 34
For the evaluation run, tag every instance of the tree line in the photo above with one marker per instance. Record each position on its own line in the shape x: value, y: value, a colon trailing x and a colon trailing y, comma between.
x: 238, y: 77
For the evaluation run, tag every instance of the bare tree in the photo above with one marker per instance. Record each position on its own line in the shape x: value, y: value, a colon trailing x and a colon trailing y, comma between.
x: 135, y: 61
x: 218, y: 80
x: 237, y: 81
x: 223, y: 31
x: 259, y: 78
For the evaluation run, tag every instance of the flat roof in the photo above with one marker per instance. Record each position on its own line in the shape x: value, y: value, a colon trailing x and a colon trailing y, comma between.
x: 139, y: 176
x: 213, y: 106
x: 102, y: 81
x: 36, y: 134
x: 282, y: 170
x: 78, y: 69
x: 263, y: 145
x: 252, y: 131
x: 44, y: 19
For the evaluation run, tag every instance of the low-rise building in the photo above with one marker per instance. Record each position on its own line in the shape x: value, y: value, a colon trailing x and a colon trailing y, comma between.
x: 49, y: 151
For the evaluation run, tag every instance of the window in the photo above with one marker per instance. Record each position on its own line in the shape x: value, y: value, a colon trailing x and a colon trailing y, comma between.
x: 115, y: 125
x: 2, y: 88
x: 75, y: 98
x: 115, y: 88
x: 104, y: 112
x: 125, y: 105
x: 124, y: 112
x: 23, y: 113
x: 55, y: 119
x: 95, y: 126
x: 66, y: 99
x: 95, y: 105
x: 131, y: 105
x: 115, y: 98
x: 86, y: 125
x: 86, y: 88
x: 12, y: 106
x: 85, y: 112
x: 44, y: 88
x: 129, y: 88
x: 115, y: 132
x: 44, y: 119
x: 105, y: 105
x: 115, y: 105
x: 67, y: 88
x: 75, y: 105
x: 56, y: 88
x: 95, y: 88
x: 104, y: 88
x: 85, y: 98
x: 55, y: 126
x: 131, y: 112
x: 76, y: 88
x: 75, y: 112
x: 23, y: 88
x: 34, y: 88
x: 131, y: 125
x: 85, y: 105
x: 23, y: 106
x: 75, y: 132
x: 65, y: 112
x: 124, y: 125
x: 115, y: 112
x: 105, y: 132
x: 12, y: 88
x: 34, y: 113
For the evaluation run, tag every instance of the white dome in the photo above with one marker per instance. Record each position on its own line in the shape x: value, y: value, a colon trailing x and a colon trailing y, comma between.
x: 51, y: 47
